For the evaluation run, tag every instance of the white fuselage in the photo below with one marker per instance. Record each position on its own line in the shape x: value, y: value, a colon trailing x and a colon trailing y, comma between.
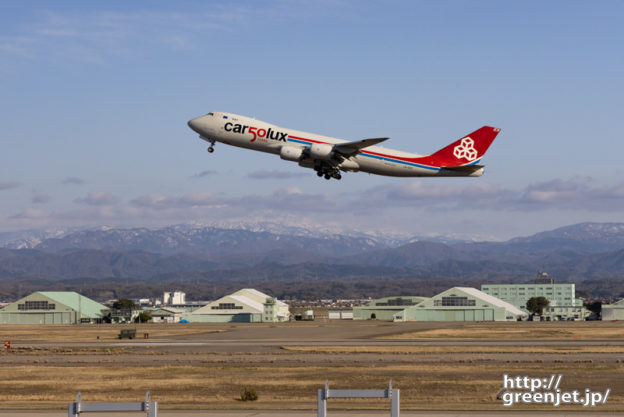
x: 245, y: 132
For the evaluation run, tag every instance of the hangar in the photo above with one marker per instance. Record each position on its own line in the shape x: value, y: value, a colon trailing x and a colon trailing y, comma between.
x: 462, y: 304
x: 455, y: 304
x: 613, y: 311
x: 53, y: 307
x: 246, y: 305
x: 385, y: 308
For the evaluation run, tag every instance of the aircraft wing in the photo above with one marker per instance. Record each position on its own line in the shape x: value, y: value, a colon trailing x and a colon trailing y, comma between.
x: 353, y: 148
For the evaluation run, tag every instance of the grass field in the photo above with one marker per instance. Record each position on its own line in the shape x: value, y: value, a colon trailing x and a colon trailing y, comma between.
x: 423, y: 350
x: 205, y: 366
x: 524, y: 330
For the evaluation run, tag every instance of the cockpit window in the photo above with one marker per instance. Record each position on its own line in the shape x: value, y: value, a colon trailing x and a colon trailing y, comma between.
x: 210, y: 114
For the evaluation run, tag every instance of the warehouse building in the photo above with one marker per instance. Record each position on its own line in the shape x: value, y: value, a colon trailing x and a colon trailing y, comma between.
x: 385, y: 308
x: 340, y: 314
x: 613, y: 311
x: 562, y: 302
x: 461, y: 304
x: 246, y: 306
x: 455, y: 304
x: 165, y: 314
x: 52, y: 307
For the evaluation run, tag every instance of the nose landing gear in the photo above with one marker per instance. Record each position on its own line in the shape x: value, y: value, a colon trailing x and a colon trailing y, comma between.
x: 211, y: 147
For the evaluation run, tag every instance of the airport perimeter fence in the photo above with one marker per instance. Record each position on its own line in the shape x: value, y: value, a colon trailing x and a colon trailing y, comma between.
x: 147, y: 406
x: 324, y: 394
x: 151, y: 407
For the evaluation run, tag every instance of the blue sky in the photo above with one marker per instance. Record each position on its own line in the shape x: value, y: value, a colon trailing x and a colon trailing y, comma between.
x: 96, y: 96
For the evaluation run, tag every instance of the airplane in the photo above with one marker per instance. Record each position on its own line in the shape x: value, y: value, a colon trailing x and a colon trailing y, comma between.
x: 329, y: 156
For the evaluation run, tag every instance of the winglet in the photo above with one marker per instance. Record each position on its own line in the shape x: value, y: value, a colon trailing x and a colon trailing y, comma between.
x: 467, y: 150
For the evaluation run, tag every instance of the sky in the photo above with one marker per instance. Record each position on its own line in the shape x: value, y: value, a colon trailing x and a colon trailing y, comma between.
x: 95, y: 97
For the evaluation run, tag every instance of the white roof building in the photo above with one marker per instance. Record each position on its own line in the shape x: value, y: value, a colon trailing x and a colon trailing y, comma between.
x: 492, y: 300
x: 461, y: 304
x: 246, y: 305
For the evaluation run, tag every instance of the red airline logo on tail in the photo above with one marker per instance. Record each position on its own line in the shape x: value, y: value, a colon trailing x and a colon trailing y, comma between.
x: 466, y: 150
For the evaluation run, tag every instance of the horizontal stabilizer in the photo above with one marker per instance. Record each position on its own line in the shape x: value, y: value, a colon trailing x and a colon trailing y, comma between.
x: 464, y: 168
x: 352, y: 148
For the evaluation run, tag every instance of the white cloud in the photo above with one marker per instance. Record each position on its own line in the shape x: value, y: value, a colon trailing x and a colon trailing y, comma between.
x: 275, y: 175
x: 205, y: 173
x: 8, y: 185
x: 160, y: 202
x: 197, y: 199
x: 41, y: 199
x: 289, y: 191
x: 30, y: 214
x: 402, y: 207
x: 98, y: 198
x: 73, y: 181
x: 151, y: 201
x: 91, y: 36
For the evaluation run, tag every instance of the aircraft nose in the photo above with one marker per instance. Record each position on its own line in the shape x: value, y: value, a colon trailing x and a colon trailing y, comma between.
x: 195, y: 124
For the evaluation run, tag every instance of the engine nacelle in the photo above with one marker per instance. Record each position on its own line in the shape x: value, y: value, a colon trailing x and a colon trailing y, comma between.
x: 322, y: 151
x: 291, y: 153
x: 349, y: 165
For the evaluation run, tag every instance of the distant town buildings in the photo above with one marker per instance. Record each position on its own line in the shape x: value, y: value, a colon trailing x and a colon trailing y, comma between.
x: 174, y: 298
x: 495, y: 302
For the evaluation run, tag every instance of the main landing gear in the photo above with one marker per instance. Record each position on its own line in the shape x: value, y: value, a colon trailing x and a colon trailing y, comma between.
x: 328, y: 173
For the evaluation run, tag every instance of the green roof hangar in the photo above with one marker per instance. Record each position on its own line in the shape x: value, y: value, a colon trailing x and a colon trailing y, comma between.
x: 454, y: 304
x: 53, y: 307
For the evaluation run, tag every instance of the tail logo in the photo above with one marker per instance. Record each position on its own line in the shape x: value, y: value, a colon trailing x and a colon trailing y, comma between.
x: 466, y: 150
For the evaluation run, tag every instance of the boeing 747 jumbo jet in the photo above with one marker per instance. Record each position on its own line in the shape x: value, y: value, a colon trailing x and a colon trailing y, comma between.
x: 328, y: 156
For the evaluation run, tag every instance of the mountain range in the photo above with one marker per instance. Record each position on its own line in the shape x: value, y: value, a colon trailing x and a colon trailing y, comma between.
x: 251, y: 255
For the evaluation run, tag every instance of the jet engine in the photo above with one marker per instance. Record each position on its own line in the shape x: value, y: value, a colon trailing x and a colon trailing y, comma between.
x: 349, y: 165
x: 322, y: 151
x: 291, y: 153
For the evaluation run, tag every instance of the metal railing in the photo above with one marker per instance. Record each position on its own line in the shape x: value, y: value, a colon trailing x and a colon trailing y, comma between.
x: 147, y: 406
x: 392, y: 394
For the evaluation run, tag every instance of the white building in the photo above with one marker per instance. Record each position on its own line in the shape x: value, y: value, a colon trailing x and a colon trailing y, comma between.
x: 174, y: 298
x: 166, y: 314
x: 562, y: 302
x: 613, y: 311
x: 246, y: 306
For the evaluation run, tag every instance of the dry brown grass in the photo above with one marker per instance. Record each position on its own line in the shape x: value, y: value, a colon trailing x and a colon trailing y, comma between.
x: 211, y: 376
x: 525, y: 330
x: 555, y: 350
x: 422, y: 387
x: 103, y: 332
